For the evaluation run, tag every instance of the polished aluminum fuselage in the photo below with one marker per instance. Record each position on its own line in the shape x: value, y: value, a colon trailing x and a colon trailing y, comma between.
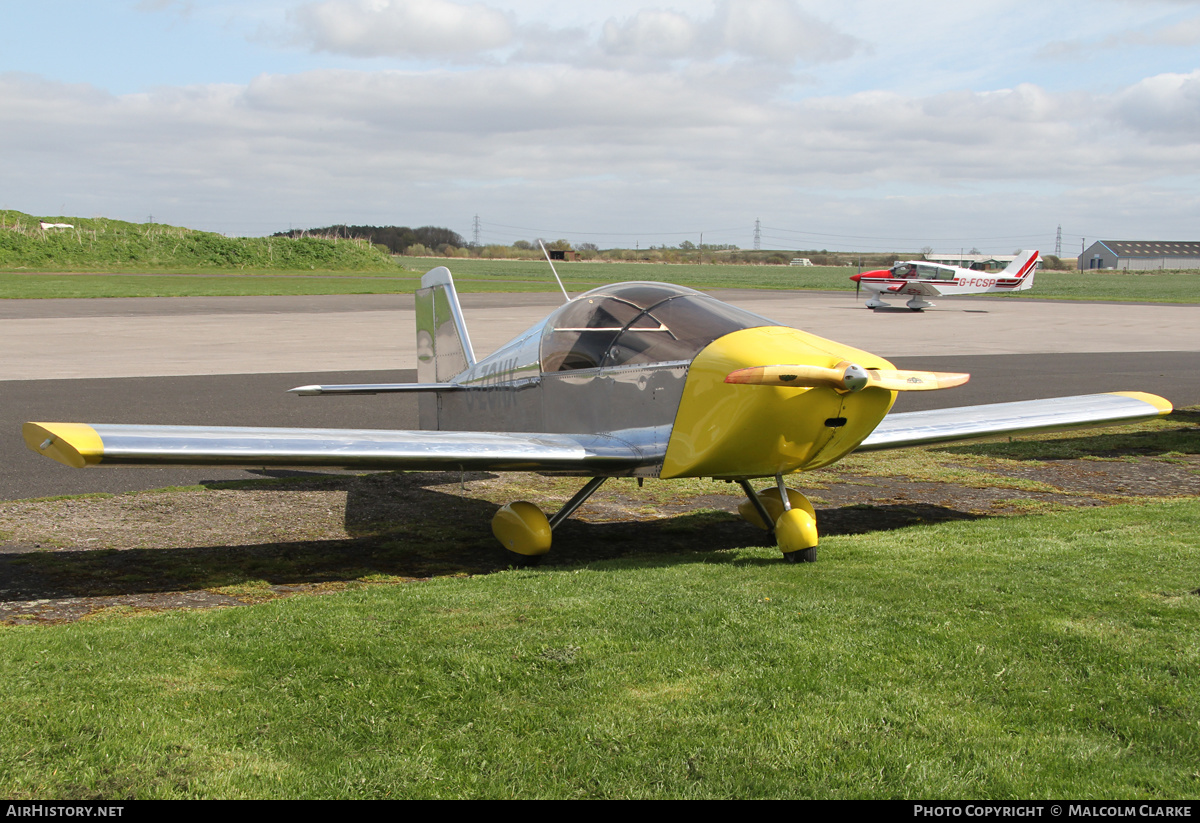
x: 508, y: 392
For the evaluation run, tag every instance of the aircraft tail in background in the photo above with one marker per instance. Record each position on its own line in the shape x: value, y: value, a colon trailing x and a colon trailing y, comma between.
x: 1022, y: 270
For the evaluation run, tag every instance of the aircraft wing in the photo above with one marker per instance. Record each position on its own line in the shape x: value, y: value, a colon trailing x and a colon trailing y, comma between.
x: 921, y: 287
x: 973, y: 422
x: 890, y: 286
x: 79, y: 445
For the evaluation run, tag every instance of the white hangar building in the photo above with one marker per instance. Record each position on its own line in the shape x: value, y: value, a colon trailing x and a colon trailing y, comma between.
x: 1140, y: 255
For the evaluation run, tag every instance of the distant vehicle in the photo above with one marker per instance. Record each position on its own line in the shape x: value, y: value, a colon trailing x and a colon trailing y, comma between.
x: 800, y: 261
x: 919, y: 280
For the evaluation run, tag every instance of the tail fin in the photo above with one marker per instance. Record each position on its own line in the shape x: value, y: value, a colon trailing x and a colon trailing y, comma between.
x: 443, y: 345
x: 1023, y: 266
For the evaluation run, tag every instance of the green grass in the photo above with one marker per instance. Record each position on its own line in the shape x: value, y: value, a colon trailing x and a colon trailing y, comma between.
x: 105, y: 245
x: 26, y: 286
x: 1149, y: 287
x: 1049, y: 656
x: 579, y: 275
x: 522, y: 275
x: 102, y: 254
x: 994, y: 464
x: 473, y: 275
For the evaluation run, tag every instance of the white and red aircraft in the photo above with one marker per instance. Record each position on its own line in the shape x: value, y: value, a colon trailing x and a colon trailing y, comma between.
x: 919, y: 280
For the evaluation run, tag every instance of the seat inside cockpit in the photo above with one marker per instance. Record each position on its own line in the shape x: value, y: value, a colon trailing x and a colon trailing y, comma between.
x: 637, y: 323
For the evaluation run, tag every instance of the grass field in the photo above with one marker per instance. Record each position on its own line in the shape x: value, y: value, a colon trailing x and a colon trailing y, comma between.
x: 40, y: 286
x: 474, y: 275
x: 1054, y: 655
x: 1027, y: 657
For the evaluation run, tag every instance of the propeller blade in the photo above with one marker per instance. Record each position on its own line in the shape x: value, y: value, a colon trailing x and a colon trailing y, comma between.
x: 803, y: 377
x: 898, y: 380
x: 845, y: 377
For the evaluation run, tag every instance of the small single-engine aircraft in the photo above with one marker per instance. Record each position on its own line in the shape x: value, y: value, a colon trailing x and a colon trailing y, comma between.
x: 631, y: 380
x: 919, y: 280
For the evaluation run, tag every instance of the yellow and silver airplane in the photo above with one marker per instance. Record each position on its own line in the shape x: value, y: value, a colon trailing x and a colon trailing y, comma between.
x: 630, y: 380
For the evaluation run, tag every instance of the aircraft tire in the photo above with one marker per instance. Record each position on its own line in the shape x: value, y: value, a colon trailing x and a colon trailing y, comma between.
x: 808, y: 555
x: 522, y: 529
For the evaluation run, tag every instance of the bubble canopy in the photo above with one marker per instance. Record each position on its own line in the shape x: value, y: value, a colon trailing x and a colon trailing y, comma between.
x: 635, y: 323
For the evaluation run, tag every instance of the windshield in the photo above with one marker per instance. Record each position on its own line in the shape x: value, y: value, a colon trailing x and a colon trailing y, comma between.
x: 635, y: 323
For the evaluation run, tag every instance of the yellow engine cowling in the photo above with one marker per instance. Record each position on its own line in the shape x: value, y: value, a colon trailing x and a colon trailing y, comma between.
x: 738, y: 431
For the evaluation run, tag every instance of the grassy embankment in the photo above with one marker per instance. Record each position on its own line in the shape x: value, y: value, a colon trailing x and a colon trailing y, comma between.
x: 1040, y: 656
x: 112, y: 258
x: 103, y: 245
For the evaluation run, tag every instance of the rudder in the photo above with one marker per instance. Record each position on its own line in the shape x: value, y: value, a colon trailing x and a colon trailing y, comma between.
x: 443, y: 345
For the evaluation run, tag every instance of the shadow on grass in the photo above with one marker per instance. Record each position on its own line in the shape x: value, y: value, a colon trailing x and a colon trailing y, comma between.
x: 402, y: 527
x: 1182, y: 438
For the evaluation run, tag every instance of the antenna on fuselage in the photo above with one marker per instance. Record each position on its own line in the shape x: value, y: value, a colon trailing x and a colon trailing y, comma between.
x: 566, y: 296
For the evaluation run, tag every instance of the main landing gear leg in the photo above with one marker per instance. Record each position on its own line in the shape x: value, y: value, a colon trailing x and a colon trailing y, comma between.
x: 788, y: 514
x: 765, y: 519
x: 524, y: 530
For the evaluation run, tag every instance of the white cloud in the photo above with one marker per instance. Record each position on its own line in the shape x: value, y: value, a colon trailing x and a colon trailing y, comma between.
x: 776, y: 31
x: 653, y: 33
x: 405, y: 28
x: 1184, y: 33
x: 1165, y: 107
x: 1177, y: 34
x: 580, y: 146
x: 770, y: 30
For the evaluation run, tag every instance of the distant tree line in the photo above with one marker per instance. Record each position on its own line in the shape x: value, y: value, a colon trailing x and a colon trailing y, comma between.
x: 397, y: 239
x: 435, y: 241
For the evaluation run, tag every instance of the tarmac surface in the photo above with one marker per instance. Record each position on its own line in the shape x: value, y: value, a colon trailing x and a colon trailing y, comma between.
x: 230, y: 360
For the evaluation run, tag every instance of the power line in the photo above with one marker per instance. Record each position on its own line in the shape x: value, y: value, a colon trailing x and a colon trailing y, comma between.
x: 547, y: 232
x: 907, y: 238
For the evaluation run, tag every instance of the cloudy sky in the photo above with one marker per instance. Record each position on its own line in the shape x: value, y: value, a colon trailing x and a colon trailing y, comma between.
x: 860, y: 124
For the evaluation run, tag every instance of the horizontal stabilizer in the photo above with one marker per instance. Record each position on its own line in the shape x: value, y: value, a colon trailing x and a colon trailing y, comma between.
x: 925, y: 428
x: 79, y: 445
x: 374, y: 388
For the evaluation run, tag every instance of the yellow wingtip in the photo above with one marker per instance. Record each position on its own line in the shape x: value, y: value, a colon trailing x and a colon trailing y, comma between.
x: 1161, y: 403
x: 72, y: 444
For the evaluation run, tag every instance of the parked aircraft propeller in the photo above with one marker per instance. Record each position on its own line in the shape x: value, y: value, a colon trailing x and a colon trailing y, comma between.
x: 846, y: 377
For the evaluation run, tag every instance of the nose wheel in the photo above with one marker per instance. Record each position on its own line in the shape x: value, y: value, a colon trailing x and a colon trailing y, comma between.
x: 788, y: 514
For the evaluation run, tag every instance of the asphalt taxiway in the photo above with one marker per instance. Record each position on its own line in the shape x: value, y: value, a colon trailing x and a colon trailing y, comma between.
x: 230, y: 360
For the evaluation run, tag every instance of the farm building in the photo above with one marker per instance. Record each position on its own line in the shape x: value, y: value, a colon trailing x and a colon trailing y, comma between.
x: 979, y: 262
x: 1140, y: 255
